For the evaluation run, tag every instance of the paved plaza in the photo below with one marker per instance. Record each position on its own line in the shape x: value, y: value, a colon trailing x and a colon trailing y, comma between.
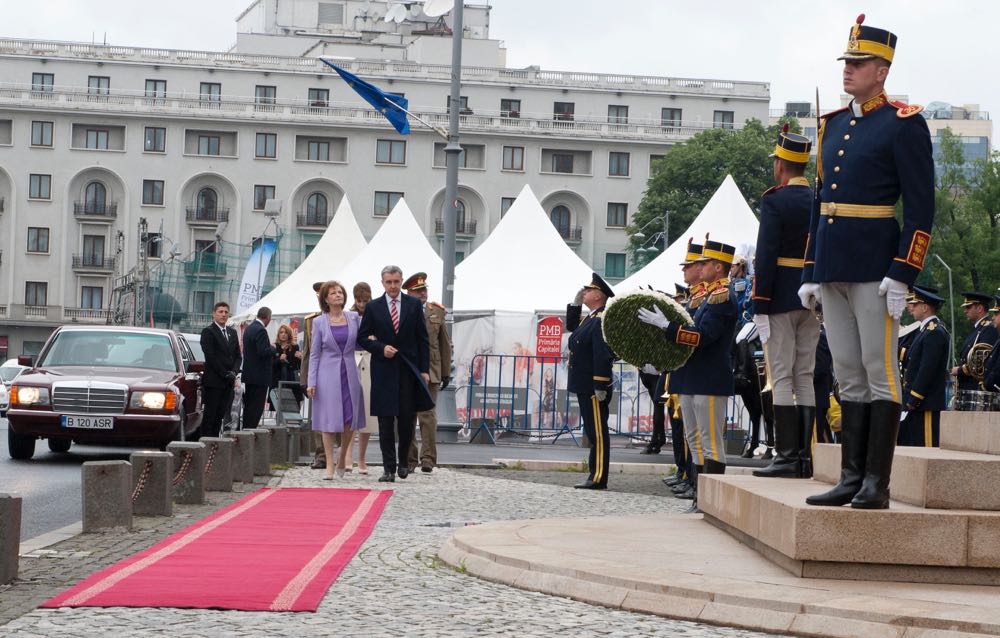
x: 394, y: 586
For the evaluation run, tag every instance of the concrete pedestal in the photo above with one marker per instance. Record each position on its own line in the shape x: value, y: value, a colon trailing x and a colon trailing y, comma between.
x: 279, y: 443
x: 10, y: 536
x: 218, y: 464
x: 243, y: 461
x: 154, y: 470
x: 261, y: 451
x: 107, y: 495
x: 189, y: 472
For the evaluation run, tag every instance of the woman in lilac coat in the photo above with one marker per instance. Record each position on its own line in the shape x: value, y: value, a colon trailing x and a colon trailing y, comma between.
x: 334, y: 385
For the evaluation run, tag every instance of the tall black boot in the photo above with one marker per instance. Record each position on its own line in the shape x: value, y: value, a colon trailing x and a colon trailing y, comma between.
x: 874, y: 494
x: 714, y: 467
x: 786, y: 444
x: 695, y: 471
x: 854, y: 427
x: 807, y: 417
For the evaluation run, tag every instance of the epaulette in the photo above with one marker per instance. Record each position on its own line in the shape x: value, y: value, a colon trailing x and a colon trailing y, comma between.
x: 832, y: 113
x: 435, y: 304
x: 773, y: 189
x: 719, y: 296
x: 931, y: 325
x: 311, y: 315
x: 904, y: 110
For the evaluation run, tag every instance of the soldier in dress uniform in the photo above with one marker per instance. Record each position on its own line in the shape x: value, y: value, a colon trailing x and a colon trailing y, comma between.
x: 925, y: 371
x: 708, y: 373
x: 788, y: 331
x: 319, y: 453
x: 991, y: 380
x: 976, y: 308
x: 590, y: 361
x: 440, y: 373
x: 860, y: 263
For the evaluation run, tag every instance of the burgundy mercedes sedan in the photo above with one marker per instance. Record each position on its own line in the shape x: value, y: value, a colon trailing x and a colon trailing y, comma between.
x: 106, y: 385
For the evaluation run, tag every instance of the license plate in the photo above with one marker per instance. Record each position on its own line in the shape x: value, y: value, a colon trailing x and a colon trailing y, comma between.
x: 89, y: 422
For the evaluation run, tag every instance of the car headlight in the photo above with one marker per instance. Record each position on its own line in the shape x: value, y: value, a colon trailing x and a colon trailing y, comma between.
x: 154, y: 401
x: 27, y: 395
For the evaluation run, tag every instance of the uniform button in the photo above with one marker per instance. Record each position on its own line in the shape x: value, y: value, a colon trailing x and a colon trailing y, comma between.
x: 836, y: 169
x: 833, y: 186
x: 840, y: 153
x: 854, y: 122
x: 829, y: 221
x: 847, y: 136
x: 833, y: 207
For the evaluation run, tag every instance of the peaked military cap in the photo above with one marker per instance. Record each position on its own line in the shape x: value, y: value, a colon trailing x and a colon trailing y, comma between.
x: 865, y: 43
x: 693, y: 252
x: 792, y: 147
x: 718, y: 251
x: 925, y: 294
x: 977, y: 297
x: 680, y: 291
x: 318, y: 285
x: 996, y: 305
x: 416, y: 281
x: 597, y: 283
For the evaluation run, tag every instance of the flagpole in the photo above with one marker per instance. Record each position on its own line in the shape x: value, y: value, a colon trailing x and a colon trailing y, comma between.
x: 437, y: 129
x: 452, y: 151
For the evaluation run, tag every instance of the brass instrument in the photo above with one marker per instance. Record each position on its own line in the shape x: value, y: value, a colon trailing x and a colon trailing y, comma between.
x: 975, y: 361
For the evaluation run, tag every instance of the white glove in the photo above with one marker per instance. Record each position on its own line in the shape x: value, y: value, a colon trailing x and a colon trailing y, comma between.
x: 654, y: 317
x: 649, y: 369
x: 895, y: 296
x: 601, y: 395
x: 763, y: 327
x: 810, y: 295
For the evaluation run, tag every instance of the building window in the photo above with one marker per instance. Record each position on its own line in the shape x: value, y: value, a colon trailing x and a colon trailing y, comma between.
x: 267, y: 145
x: 95, y: 198
x: 207, y: 248
x: 42, y: 82
x: 617, y: 214
x: 319, y: 97
x: 385, y: 201
x: 260, y: 196
x: 208, y: 145
x: 208, y: 202
x: 653, y: 159
x: 203, y: 300
x: 513, y: 158
x: 510, y: 108
x: 98, y: 85
x: 561, y: 220
x: 156, y: 139
x: 40, y: 187
x: 319, y: 151
x: 316, y: 208
x: 91, y: 297
x: 617, y: 114
x: 264, y: 97
x: 41, y: 133
x: 670, y: 120
x: 38, y: 240
x: 93, y: 250
x: 97, y: 140
x: 390, y: 152
x: 563, y: 111
x: 152, y: 192
x: 562, y: 163
x: 505, y: 204
x: 614, y: 265
x: 36, y: 293
x: 618, y: 164
x: 154, y: 245
x: 722, y: 119
x: 156, y: 89
x: 211, y: 94
x: 463, y: 101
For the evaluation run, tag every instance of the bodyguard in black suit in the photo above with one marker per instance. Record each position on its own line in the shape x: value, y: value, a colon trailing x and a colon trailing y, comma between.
x: 393, y: 329
x: 925, y: 371
x: 258, y: 359
x: 590, y: 361
x: 221, y: 345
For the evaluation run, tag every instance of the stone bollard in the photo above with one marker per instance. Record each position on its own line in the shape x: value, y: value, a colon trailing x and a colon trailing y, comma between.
x: 242, y: 455
x: 294, y: 443
x: 189, y: 472
x: 10, y: 536
x: 279, y: 443
x: 107, y: 495
x: 152, y: 492
x: 219, y: 464
x: 261, y: 451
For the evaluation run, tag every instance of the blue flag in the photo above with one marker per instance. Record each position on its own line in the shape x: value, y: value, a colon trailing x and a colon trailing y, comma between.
x: 382, y: 101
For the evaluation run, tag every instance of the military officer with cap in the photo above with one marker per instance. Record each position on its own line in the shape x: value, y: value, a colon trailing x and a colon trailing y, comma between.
x: 925, y: 371
x: 590, y: 360
x: 860, y: 263
x: 976, y: 308
x: 440, y: 373
x: 708, y: 373
x: 991, y: 380
x: 788, y: 331
x: 319, y: 454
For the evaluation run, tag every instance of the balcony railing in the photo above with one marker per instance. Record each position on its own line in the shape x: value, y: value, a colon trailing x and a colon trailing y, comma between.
x: 94, y: 262
x: 467, y: 228
x: 3, y: 311
x: 572, y: 234
x: 312, y: 220
x: 205, y: 268
x: 94, y: 209
x: 87, y: 315
x: 2, y: 202
x: 199, y: 215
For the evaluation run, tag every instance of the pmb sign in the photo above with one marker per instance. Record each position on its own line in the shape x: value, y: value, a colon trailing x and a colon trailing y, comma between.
x: 548, y: 343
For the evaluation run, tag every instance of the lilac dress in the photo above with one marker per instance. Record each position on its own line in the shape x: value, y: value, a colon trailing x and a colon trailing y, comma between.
x: 334, y: 374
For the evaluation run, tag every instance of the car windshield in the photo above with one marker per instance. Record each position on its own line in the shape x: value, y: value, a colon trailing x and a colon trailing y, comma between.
x: 8, y: 373
x: 109, y: 349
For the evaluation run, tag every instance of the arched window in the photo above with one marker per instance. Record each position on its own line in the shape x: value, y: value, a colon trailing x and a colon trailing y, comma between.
x: 208, y: 202
x: 95, y: 198
x: 316, y: 208
x: 460, y: 217
x: 560, y: 219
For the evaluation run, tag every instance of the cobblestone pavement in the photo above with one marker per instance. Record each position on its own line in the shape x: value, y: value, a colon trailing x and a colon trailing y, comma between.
x: 394, y: 586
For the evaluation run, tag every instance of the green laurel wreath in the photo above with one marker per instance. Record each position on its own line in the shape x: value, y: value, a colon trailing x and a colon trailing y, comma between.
x: 639, y: 343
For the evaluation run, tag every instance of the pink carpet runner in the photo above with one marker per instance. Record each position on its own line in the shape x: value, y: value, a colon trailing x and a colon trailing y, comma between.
x: 273, y: 550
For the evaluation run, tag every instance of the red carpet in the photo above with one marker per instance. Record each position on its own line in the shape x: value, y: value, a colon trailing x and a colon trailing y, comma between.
x: 273, y: 550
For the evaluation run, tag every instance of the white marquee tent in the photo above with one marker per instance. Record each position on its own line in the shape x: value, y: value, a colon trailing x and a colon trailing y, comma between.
x: 726, y: 216
x: 524, y: 265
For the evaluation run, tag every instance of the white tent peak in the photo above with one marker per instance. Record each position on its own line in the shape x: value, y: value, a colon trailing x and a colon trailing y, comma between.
x: 524, y: 264
x: 341, y: 242
x: 726, y: 217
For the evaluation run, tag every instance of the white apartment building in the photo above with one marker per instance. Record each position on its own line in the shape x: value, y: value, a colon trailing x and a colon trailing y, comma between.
x: 94, y: 137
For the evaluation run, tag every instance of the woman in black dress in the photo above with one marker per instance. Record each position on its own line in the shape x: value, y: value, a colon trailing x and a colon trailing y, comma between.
x: 287, y: 363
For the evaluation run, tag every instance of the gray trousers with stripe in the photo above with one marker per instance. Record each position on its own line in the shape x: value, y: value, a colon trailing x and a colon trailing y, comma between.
x: 790, y: 353
x: 705, y: 426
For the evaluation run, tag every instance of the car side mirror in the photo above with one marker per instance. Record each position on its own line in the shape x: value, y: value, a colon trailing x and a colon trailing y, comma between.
x: 25, y: 360
x: 196, y: 366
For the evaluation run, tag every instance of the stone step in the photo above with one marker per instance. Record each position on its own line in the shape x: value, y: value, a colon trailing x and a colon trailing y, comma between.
x: 971, y: 431
x: 928, y: 476
x: 904, y: 543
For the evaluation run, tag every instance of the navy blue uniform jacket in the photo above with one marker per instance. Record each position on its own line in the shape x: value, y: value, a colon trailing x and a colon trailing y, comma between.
x: 925, y: 366
x: 984, y: 332
x: 781, y: 244
x: 413, y: 358
x: 590, y: 357
x: 872, y: 161
x: 709, y: 371
x: 258, y: 355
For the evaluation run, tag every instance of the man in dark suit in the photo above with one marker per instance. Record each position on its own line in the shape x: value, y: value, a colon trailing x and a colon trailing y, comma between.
x: 394, y: 331
x: 221, y: 345
x: 258, y: 358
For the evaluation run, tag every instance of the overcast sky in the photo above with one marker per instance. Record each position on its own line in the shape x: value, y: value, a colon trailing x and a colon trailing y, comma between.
x: 947, y: 51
